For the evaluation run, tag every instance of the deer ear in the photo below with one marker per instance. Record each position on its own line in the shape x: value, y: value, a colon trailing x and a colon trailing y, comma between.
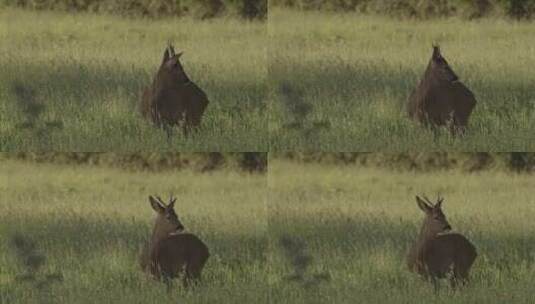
x: 156, y: 205
x: 171, y: 50
x: 423, y: 205
x: 171, y: 204
x: 439, y: 203
x: 436, y: 51
x: 166, y: 55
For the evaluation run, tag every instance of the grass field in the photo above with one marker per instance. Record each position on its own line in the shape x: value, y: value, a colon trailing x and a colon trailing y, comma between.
x: 344, y: 229
x: 355, y: 226
x: 89, y: 222
x: 72, y: 82
x: 340, y: 82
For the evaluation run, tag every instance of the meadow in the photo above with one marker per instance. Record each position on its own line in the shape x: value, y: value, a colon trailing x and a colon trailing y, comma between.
x: 340, y: 82
x: 340, y: 234
x: 73, y: 82
x: 89, y: 223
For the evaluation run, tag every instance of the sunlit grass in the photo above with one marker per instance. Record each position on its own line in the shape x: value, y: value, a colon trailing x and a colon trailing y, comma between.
x: 356, y: 72
x: 90, y: 222
x: 88, y: 72
x: 357, y: 225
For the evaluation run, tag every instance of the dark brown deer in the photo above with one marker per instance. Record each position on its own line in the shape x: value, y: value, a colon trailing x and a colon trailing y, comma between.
x: 171, y: 252
x: 437, y: 251
x: 441, y: 99
x: 173, y: 99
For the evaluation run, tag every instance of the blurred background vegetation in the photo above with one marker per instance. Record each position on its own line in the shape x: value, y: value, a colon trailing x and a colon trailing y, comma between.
x: 257, y: 9
x: 522, y: 162
x: 420, y: 9
x: 421, y: 161
x: 248, y: 9
x: 154, y: 161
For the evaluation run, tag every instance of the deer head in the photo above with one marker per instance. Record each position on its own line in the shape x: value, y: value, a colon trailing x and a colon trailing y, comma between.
x: 166, y: 219
x: 440, y: 67
x: 171, y: 65
x: 435, y: 221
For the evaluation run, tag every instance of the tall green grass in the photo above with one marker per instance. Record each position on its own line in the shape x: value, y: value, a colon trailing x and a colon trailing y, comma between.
x: 90, y: 222
x: 310, y: 233
x: 355, y: 226
x: 340, y: 82
x: 73, y: 82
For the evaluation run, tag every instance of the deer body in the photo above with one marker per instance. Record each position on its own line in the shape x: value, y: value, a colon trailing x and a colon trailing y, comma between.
x: 441, y: 98
x: 181, y: 104
x: 436, y: 252
x: 171, y: 253
x: 173, y: 99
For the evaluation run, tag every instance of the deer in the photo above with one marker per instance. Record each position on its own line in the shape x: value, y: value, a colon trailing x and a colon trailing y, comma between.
x: 171, y: 252
x: 441, y: 99
x: 437, y: 251
x: 173, y: 99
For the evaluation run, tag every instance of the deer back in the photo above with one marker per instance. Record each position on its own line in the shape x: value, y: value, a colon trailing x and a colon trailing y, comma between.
x: 464, y: 100
x: 438, y: 254
x: 196, y: 101
x: 171, y: 254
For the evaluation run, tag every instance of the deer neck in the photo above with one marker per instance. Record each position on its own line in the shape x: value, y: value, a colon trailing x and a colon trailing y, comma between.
x: 432, y: 76
x: 416, y: 252
x: 156, y: 237
x: 181, y: 79
x: 165, y: 80
x: 185, y: 79
x: 424, y: 236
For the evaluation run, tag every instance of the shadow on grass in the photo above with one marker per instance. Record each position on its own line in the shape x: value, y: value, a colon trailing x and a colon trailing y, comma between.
x: 365, y: 105
x: 331, y: 79
x: 362, y: 235
x: 297, y: 254
x: 96, y: 107
x: 80, y: 248
x: 31, y: 262
x: 299, y: 110
x: 82, y: 238
x: 32, y: 110
x: 86, y: 84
